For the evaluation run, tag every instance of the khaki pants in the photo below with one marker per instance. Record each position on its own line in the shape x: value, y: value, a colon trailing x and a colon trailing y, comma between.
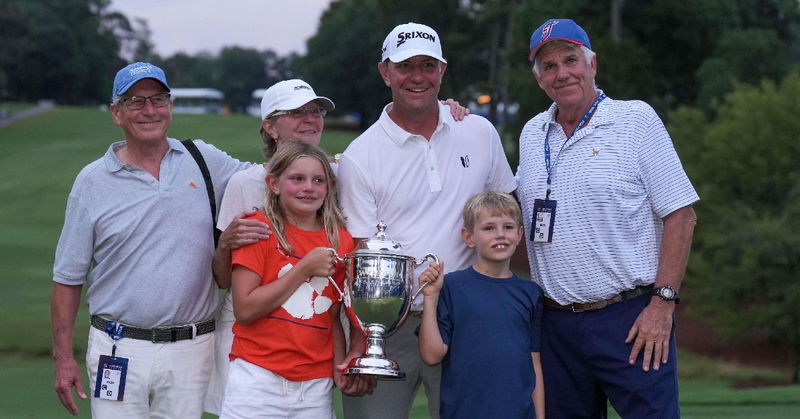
x: 164, y: 380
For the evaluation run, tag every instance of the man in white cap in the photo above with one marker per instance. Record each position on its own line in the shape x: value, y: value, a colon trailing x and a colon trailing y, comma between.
x: 414, y: 169
x: 138, y: 232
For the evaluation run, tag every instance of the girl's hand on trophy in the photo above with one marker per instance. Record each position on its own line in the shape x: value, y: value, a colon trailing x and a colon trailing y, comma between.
x: 343, y: 382
x: 363, y: 385
x: 355, y: 385
x: 319, y: 261
x: 434, y: 277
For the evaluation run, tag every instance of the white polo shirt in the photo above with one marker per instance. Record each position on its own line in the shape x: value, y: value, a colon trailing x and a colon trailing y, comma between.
x: 419, y: 187
x: 613, y: 181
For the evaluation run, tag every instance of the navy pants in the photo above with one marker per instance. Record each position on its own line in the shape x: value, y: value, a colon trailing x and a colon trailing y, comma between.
x: 585, y: 364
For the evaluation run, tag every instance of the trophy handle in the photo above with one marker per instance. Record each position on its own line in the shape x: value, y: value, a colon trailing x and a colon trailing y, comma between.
x: 346, y: 296
x: 416, y: 265
x: 339, y: 259
x: 336, y: 256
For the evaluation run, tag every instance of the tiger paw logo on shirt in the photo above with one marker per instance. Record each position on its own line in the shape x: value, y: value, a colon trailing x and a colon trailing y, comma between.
x: 307, y: 300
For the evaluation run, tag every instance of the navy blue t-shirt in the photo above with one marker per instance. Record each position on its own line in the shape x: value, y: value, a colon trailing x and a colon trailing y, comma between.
x: 491, y: 326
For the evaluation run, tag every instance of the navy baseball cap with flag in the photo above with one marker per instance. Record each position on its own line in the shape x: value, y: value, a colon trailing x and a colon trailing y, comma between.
x: 558, y: 30
x: 132, y: 73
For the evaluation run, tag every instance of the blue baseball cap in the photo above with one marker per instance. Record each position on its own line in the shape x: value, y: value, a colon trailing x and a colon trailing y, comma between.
x: 132, y: 73
x: 558, y: 29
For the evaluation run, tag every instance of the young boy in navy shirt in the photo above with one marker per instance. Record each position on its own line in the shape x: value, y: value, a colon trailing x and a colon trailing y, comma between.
x: 483, y: 323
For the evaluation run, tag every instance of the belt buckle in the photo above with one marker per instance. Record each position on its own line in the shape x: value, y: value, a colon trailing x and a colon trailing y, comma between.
x: 153, y: 332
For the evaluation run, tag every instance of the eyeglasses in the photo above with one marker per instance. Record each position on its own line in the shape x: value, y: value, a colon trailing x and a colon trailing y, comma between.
x: 137, y: 102
x: 316, y: 112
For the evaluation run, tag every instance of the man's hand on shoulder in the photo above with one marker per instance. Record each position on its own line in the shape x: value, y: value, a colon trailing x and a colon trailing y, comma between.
x: 459, y: 112
x: 243, y: 231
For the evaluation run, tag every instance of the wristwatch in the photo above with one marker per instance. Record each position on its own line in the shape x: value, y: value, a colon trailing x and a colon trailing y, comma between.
x: 667, y: 293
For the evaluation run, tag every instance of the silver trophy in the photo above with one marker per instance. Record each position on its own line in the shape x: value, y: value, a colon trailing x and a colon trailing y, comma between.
x: 377, y: 298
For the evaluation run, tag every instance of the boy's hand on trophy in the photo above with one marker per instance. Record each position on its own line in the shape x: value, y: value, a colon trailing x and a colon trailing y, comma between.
x: 433, y: 276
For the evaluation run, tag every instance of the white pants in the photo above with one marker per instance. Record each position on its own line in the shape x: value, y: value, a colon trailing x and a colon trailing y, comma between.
x: 164, y: 380
x: 222, y: 347
x: 254, y: 392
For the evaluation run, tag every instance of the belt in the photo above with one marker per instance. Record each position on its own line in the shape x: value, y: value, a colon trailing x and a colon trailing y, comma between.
x: 415, y: 313
x: 158, y: 334
x: 597, y: 305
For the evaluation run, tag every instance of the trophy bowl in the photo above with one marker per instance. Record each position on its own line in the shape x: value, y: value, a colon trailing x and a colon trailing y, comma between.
x: 377, y: 299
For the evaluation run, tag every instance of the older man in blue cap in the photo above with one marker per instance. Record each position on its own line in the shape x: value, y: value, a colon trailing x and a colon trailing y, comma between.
x: 609, y: 222
x: 138, y: 233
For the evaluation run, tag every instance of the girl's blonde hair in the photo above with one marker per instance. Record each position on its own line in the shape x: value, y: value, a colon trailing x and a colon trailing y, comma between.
x: 330, y: 213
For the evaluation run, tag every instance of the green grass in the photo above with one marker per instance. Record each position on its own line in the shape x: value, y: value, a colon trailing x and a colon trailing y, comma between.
x: 39, y: 159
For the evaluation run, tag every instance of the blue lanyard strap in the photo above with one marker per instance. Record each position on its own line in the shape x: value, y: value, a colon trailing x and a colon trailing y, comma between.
x: 115, y: 331
x: 580, y: 125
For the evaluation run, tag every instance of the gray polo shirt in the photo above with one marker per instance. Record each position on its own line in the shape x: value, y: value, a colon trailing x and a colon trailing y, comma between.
x: 143, y: 245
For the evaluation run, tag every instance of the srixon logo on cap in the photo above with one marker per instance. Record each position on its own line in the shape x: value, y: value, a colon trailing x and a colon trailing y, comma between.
x: 402, y: 37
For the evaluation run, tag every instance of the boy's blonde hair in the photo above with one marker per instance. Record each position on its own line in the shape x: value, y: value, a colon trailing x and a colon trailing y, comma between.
x: 329, y: 212
x: 495, y: 202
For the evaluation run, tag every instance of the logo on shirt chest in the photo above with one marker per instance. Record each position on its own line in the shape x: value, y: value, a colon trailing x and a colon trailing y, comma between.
x: 307, y: 300
x: 465, y: 160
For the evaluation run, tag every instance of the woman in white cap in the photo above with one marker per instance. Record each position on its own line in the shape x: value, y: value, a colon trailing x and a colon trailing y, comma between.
x: 290, y: 110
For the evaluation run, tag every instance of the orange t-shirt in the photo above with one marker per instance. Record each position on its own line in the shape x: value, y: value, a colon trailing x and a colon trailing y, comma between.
x: 295, y: 340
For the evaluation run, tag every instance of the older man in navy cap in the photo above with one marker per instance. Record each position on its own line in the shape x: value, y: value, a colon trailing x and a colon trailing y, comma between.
x: 609, y: 222
x: 138, y: 233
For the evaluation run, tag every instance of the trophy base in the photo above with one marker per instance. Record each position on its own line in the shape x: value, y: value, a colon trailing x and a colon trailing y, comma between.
x: 380, y: 368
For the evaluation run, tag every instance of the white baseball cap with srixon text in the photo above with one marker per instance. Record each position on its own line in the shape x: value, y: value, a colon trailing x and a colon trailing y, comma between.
x: 411, y: 39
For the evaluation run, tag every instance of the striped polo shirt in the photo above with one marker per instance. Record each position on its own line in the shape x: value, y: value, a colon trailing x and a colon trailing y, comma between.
x: 613, y: 181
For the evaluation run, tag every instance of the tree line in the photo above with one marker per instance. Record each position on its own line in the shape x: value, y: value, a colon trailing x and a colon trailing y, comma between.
x: 69, y: 51
x: 722, y: 74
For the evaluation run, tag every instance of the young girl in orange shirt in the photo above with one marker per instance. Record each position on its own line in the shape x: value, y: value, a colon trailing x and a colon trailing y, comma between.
x: 286, y: 296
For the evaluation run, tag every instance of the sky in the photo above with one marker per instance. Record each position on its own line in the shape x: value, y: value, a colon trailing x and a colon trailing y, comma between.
x: 193, y: 26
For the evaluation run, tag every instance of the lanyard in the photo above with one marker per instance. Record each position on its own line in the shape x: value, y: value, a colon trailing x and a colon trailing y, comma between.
x: 115, y: 331
x: 585, y: 118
